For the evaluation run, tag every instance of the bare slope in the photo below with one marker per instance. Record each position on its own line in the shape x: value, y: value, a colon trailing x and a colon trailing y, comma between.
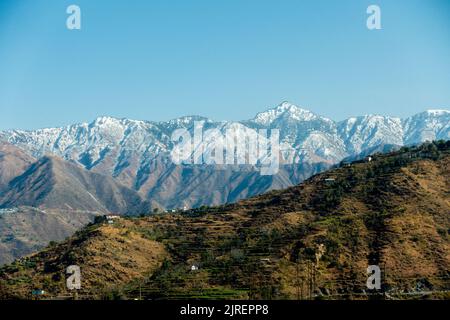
x: 57, y: 184
x: 25, y: 230
x: 13, y: 162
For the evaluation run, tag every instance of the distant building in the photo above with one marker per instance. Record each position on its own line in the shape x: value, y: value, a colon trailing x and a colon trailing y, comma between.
x: 345, y: 163
x: 111, y: 218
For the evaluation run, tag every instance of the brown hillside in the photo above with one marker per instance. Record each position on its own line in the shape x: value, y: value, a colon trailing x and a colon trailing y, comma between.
x: 54, y: 183
x: 13, y: 162
x: 314, y: 240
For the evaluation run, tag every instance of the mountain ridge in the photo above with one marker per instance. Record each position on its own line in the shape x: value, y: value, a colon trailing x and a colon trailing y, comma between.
x: 51, y: 199
x: 137, y: 153
x: 53, y: 183
x: 13, y: 162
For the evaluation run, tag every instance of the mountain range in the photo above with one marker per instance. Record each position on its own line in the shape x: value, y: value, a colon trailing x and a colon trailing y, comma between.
x: 137, y: 153
x: 124, y: 166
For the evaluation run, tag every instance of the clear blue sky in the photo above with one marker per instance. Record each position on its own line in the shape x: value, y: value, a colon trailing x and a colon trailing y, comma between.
x: 227, y: 59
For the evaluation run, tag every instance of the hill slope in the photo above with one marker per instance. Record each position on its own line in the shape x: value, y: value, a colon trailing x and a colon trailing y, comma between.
x: 25, y: 230
x: 52, y: 199
x: 311, y: 240
x: 57, y: 184
x: 13, y: 162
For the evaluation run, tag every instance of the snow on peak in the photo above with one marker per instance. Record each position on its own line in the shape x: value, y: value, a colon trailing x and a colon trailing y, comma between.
x: 287, y: 106
x: 185, y: 120
x: 105, y: 120
x: 437, y: 112
x: 123, y: 139
x: 284, y: 109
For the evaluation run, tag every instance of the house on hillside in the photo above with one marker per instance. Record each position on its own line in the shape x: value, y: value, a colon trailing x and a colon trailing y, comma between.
x: 111, y: 218
x: 345, y: 163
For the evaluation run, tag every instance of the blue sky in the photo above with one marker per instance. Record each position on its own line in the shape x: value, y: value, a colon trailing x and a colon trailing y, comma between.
x: 227, y: 60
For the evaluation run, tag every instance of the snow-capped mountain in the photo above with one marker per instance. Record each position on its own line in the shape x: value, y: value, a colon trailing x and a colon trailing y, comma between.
x: 137, y: 153
x: 428, y: 125
x: 360, y: 133
x: 285, y: 112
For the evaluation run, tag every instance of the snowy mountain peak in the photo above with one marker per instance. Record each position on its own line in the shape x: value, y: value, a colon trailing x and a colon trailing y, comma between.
x: 287, y: 106
x: 112, y: 123
x: 186, y: 120
x: 105, y: 119
x: 437, y: 112
x: 285, y: 110
x: 427, y: 126
x: 377, y: 117
x: 120, y: 145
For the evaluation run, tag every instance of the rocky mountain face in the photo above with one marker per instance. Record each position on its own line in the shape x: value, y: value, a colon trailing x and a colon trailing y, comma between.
x: 13, y: 162
x: 54, y: 183
x: 137, y: 153
x: 313, y: 240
